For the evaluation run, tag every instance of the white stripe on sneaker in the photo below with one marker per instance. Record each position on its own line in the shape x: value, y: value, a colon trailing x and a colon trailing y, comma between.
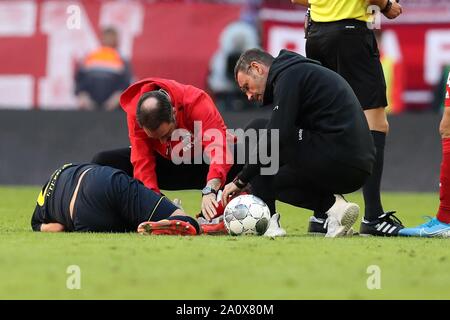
x: 381, y: 226
x: 386, y: 228
x: 392, y: 229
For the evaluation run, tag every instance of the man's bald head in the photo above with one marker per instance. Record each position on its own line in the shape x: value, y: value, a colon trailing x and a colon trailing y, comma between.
x: 153, y: 109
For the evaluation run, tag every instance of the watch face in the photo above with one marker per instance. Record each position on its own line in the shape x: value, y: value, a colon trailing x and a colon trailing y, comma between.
x: 207, y: 190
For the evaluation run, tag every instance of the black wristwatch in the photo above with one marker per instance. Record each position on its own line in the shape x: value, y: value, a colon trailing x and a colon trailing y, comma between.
x: 208, y: 190
x: 387, y: 7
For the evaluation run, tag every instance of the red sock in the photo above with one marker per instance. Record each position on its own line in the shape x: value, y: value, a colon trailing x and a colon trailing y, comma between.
x: 444, y: 207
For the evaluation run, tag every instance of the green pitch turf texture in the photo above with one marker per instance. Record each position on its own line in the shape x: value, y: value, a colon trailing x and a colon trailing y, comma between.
x: 131, y: 266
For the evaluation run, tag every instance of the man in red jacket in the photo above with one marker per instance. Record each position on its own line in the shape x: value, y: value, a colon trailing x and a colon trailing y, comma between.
x: 178, y: 140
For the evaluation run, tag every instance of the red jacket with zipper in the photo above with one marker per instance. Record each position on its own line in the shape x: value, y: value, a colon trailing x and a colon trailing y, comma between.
x: 190, y: 104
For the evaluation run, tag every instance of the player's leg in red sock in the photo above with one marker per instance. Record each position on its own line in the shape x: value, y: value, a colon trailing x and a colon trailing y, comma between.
x: 444, y: 128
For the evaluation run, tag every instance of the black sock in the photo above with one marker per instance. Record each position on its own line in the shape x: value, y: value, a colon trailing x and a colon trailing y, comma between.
x: 262, y: 187
x: 187, y: 219
x: 325, y: 204
x: 271, y: 205
x: 371, y: 189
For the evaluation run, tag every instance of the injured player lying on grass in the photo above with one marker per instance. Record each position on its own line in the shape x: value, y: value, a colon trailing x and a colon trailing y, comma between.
x: 93, y: 198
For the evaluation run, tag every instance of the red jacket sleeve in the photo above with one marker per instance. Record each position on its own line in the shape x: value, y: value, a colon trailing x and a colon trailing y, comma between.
x: 447, y: 92
x: 142, y: 155
x: 214, y: 137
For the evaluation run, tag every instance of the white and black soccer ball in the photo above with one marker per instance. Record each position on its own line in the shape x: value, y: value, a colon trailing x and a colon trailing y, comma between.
x: 246, y: 214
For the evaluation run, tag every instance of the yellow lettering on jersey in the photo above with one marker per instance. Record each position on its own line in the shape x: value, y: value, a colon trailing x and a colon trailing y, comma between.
x: 55, y: 175
x: 41, y: 197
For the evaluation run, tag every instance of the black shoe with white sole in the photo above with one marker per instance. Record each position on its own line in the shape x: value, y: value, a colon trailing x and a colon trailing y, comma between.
x: 318, y: 227
x: 387, y: 225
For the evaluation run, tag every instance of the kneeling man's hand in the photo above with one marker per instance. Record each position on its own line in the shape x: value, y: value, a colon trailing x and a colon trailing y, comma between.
x: 229, y: 190
x: 209, y: 205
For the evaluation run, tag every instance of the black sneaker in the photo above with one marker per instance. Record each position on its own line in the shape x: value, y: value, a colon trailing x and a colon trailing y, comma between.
x: 318, y: 227
x: 386, y: 225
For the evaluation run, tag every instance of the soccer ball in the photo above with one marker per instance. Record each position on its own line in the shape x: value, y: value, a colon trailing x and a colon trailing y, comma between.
x: 246, y: 214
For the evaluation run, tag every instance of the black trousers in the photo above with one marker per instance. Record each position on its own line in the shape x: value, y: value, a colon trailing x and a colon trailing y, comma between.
x: 309, y: 185
x: 170, y: 176
x: 349, y: 48
x: 182, y: 176
x: 307, y: 179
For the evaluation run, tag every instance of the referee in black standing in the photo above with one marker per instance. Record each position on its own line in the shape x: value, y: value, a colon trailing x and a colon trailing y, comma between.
x: 340, y: 38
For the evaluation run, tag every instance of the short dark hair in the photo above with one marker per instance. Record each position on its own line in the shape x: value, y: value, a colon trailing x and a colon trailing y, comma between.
x: 110, y: 30
x: 110, y: 37
x: 249, y: 56
x: 152, y: 118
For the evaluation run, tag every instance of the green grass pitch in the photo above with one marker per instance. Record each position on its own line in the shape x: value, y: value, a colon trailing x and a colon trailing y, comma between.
x: 131, y: 266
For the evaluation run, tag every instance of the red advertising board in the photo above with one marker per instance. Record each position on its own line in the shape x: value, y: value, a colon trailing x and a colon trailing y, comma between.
x: 40, y: 42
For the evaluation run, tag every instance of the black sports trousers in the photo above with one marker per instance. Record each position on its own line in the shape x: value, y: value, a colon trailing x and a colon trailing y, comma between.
x: 308, y: 179
x: 170, y: 176
x: 110, y: 201
x: 350, y: 48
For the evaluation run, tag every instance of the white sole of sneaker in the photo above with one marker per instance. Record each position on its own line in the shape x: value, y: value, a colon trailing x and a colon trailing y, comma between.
x: 366, y: 235
x: 275, y: 234
x: 349, y: 217
x: 350, y: 233
x: 337, y: 232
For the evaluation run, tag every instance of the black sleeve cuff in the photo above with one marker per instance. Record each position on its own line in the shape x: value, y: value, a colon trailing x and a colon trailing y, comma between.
x: 248, y: 172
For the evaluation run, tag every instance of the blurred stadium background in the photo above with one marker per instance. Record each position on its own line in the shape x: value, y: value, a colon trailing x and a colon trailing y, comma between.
x: 195, y: 42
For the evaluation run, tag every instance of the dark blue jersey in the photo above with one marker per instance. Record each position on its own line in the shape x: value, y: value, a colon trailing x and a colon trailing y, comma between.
x: 107, y: 200
x: 54, y: 199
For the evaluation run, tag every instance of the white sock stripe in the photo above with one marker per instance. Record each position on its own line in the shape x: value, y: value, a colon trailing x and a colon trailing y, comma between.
x: 392, y: 229
x: 381, y: 226
x: 386, y: 228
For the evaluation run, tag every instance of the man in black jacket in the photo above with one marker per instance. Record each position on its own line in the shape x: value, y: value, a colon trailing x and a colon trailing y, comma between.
x: 325, y: 146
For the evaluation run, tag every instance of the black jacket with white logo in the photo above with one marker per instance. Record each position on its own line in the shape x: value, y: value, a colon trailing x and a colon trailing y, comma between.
x: 314, y: 105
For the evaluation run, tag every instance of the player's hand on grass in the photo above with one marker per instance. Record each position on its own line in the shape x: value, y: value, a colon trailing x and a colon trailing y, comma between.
x: 52, y: 227
x: 229, y: 190
x: 209, y: 205
x: 395, y: 11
